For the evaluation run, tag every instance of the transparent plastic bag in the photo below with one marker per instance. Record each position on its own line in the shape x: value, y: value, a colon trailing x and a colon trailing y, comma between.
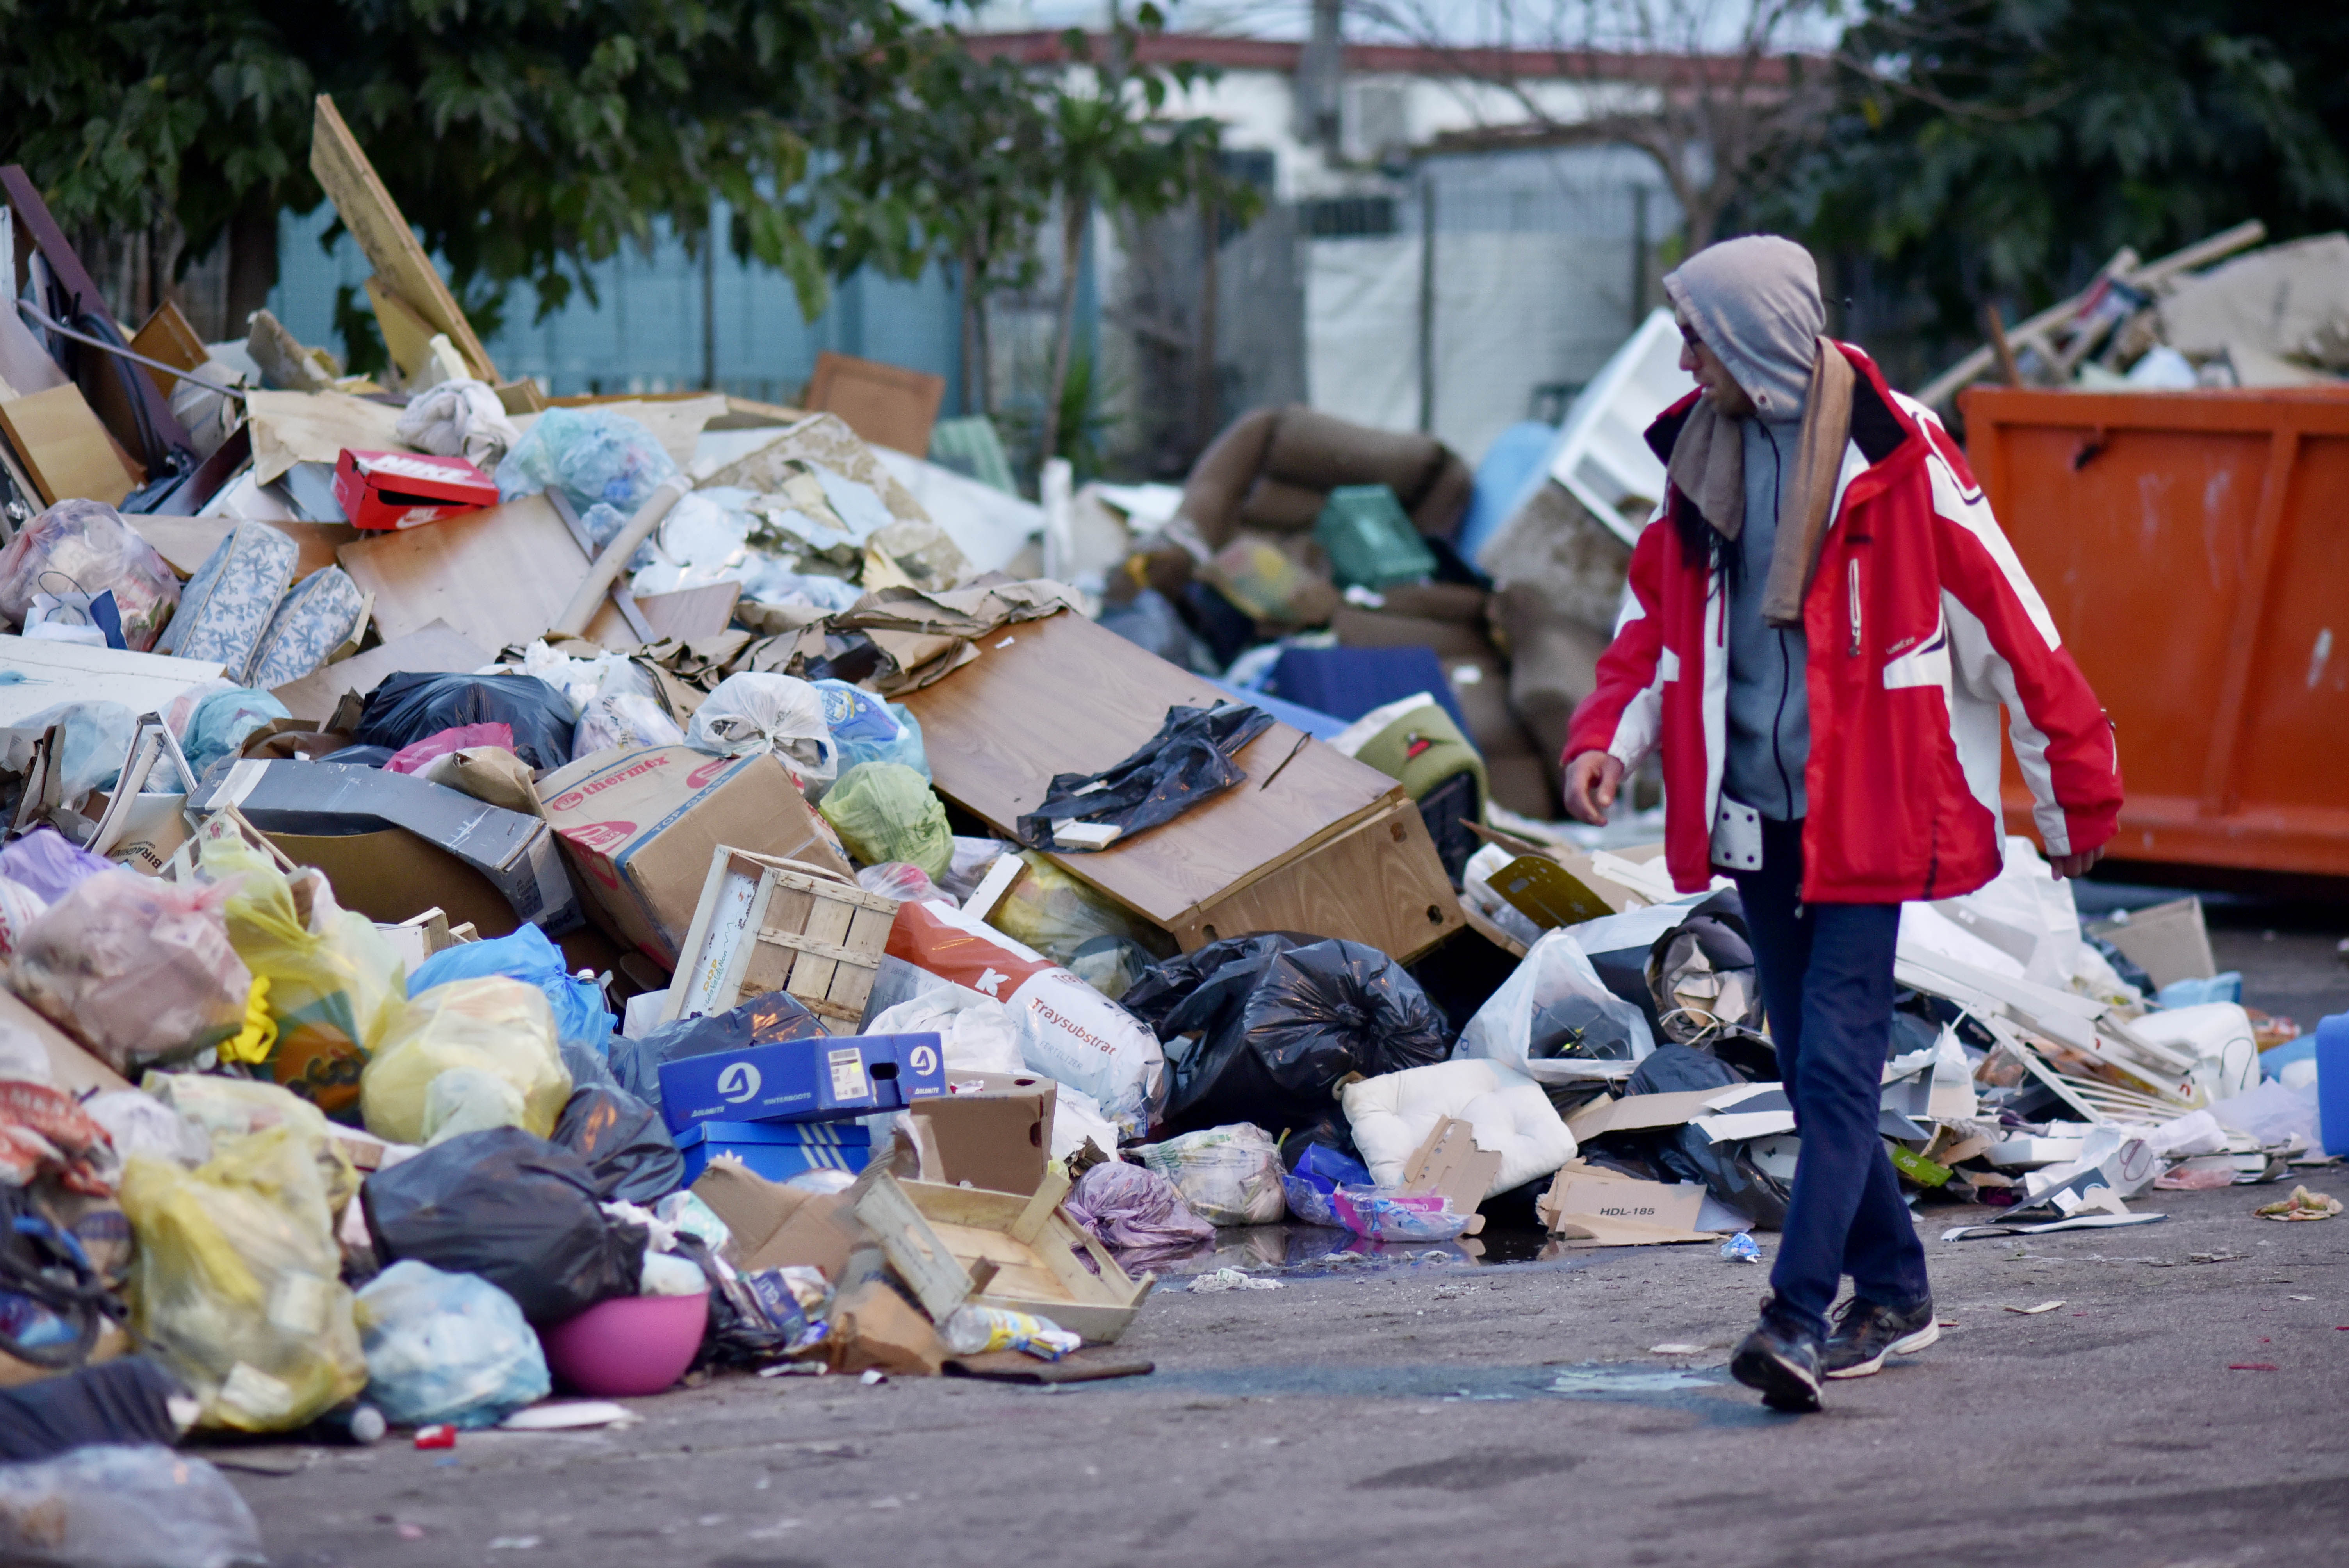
x: 237, y: 1284
x: 974, y: 1330
x: 868, y: 730
x: 623, y: 719
x: 84, y: 546
x: 135, y: 968
x: 226, y: 1109
x: 95, y: 737
x: 495, y: 1025
x: 591, y: 456
x: 336, y: 986
x: 1382, y: 1216
x: 118, y: 1505
x: 222, y: 723
x: 528, y: 956
x: 1229, y: 1175
x: 446, y: 1348
x: 1056, y: 914
x: 904, y: 882
x: 1135, y: 1210
x: 19, y: 907
x: 886, y: 811
x: 760, y: 711
x: 1555, y: 995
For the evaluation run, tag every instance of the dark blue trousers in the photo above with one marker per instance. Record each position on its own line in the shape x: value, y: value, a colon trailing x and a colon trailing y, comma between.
x: 1826, y: 972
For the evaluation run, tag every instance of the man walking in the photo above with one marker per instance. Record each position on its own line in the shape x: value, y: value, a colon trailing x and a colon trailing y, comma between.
x: 1823, y: 621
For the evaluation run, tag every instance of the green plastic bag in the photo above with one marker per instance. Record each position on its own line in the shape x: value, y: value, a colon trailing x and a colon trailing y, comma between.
x: 1056, y: 914
x: 886, y: 811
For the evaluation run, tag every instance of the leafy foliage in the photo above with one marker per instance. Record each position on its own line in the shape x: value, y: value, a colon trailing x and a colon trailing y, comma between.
x: 2008, y: 147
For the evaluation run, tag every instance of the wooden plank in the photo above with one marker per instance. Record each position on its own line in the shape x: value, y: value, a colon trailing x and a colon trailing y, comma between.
x: 390, y: 245
x: 888, y: 405
x: 57, y: 672
x: 921, y: 1257
x: 185, y: 542
x: 406, y: 335
x: 1062, y: 696
x: 688, y: 614
x: 497, y: 576
x: 167, y: 336
x: 1378, y: 882
x: 65, y: 450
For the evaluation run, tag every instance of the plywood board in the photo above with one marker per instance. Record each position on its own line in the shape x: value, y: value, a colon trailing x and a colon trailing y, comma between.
x: 185, y: 542
x: 74, y: 672
x: 167, y: 336
x: 888, y: 405
x: 685, y: 614
x: 373, y: 218
x: 66, y: 452
x: 497, y: 576
x: 431, y: 648
x: 1062, y: 696
x: 291, y: 428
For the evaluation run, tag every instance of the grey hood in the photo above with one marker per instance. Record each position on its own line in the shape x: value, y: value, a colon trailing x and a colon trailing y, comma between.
x: 1755, y: 300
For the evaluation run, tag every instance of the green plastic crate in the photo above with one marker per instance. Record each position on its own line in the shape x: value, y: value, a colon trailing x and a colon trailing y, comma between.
x: 1370, y: 539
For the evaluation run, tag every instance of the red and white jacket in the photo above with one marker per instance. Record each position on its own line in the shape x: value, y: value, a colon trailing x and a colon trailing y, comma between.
x: 1922, y: 623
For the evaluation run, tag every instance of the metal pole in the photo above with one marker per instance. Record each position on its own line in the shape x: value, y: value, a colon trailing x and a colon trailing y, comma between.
x: 709, y: 309
x: 1639, y: 255
x: 1427, y: 302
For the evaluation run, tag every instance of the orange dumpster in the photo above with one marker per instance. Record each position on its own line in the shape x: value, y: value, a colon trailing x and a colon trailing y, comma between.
x: 2193, y: 548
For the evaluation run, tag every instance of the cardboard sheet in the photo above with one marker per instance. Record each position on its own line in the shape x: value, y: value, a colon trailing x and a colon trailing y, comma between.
x: 66, y: 452
x: 496, y: 576
x: 1593, y: 1208
x: 291, y: 428
x: 888, y: 405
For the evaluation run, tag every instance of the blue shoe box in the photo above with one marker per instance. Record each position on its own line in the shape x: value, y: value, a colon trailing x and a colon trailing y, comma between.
x: 778, y: 1150
x: 821, y: 1078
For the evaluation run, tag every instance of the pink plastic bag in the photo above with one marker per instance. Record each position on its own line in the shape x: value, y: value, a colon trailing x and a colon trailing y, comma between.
x: 1136, y: 1210
x: 84, y: 546
x: 412, y: 756
x: 135, y: 969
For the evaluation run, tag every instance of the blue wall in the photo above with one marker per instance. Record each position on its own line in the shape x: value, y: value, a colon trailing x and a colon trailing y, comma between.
x: 646, y: 332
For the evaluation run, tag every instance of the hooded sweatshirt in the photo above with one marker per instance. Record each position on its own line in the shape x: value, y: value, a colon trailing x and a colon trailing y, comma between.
x: 1754, y: 302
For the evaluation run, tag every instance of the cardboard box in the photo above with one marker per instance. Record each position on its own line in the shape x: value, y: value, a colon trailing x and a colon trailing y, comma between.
x: 816, y: 1079
x: 1635, y: 1112
x: 389, y: 490
x: 515, y: 852
x: 640, y: 825
x: 2168, y: 941
x: 777, y: 1151
x: 1593, y: 1208
x: 776, y: 1226
x: 392, y: 876
x: 997, y: 1139
x: 874, y: 1326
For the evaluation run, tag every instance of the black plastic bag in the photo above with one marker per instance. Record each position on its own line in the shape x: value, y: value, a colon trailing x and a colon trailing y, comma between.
x: 625, y: 1143
x: 1190, y: 759
x: 1283, y: 1021
x: 515, y: 1209
x: 123, y: 1401
x: 765, y: 1020
x: 739, y: 1333
x: 1686, y: 1154
x: 407, y: 708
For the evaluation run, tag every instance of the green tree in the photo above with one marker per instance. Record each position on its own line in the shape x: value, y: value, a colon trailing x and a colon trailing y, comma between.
x: 1987, y: 148
x: 527, y: 139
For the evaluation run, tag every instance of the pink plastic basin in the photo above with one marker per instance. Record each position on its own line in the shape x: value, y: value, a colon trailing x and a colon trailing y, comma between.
x: 627, y: 1345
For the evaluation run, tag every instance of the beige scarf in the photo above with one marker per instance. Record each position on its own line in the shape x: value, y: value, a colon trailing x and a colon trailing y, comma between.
x: 1708, y: 467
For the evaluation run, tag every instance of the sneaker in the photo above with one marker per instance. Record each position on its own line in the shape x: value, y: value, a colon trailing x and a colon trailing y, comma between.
x: 1866, y: 1333
x: 1782, y: 1361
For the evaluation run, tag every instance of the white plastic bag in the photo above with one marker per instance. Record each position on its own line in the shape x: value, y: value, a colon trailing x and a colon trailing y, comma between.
x: 446, y: 1348
x: 1229, y: 1175
x: 976, y: 1033
x: 1555, y: 989
x: 760, y: 711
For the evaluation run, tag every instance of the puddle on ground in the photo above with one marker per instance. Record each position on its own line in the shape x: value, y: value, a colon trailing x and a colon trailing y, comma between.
x: 1305, y: 1251
x: 1705, y: 1392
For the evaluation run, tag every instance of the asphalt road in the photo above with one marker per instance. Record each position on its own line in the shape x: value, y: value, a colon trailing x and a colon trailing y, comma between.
x: 1457, y: 1412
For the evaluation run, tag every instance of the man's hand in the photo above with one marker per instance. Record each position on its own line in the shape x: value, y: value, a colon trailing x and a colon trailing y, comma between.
x: 2076, y: 865
x: 1591, y: 780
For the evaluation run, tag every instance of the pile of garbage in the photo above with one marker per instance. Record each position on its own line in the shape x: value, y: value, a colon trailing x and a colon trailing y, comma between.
x: 2226, y: 311
x: 501, y: 901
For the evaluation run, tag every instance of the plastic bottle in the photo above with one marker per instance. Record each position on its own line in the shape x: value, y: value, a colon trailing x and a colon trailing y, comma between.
x: 972, y: 1330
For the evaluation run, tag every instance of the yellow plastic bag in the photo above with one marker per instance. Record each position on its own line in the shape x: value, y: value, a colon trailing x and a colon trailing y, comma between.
x: 237, y: 1287
x: 491, y: 1025
x: 230, y: 1109
x: 337, y: 986
x: 1054, y: 913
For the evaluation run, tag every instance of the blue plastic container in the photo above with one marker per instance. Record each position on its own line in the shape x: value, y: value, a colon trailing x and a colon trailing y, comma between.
x: 2333, y: 1082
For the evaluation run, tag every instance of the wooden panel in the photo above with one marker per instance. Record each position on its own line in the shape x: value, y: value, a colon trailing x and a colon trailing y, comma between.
x: 1378, y: 882
x: 55, y: 672
x: 167, y: 336
x: 374, y: 221
x: 496, y: 576
x: 65, y: 450
x: 1062, y: 696
x: 185, y: 542
x: 886, y: 404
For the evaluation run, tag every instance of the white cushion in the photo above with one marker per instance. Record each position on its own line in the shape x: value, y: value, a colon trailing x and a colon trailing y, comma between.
x: 1393, y: 1115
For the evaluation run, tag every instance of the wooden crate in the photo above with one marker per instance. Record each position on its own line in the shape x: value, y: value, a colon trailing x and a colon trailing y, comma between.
x: 1313, y: 841
x: 954, y: 1244
x: 765, y: 923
